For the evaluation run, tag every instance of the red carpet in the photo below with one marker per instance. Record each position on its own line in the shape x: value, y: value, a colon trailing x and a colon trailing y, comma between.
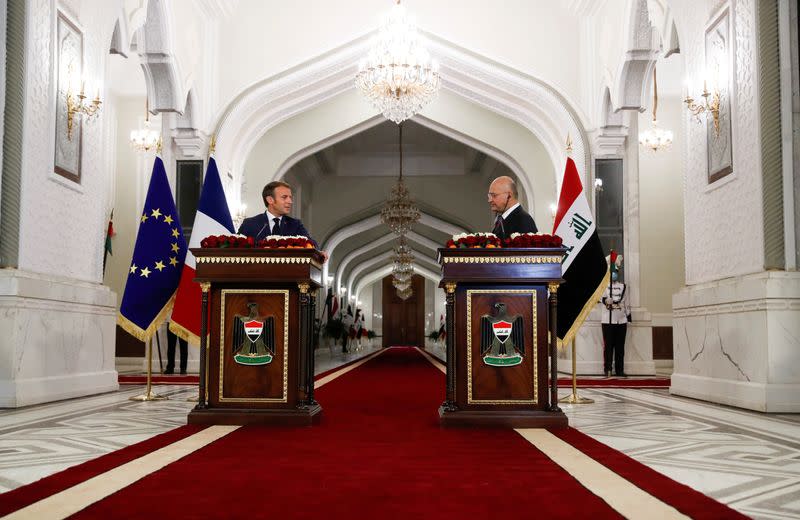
x: 379, y: 452
x: 616, y: 382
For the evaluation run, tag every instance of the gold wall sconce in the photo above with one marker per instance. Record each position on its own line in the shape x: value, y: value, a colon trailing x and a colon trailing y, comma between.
x: 77, y: 106
x: 707, y: 106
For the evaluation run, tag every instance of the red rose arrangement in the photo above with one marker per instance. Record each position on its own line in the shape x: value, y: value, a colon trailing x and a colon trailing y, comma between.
x: 222, y: 241
x: 489, y: 240
x: 473, y: 240
x: 532, y: 240
x: 270, y: 242
x: 283, y: 242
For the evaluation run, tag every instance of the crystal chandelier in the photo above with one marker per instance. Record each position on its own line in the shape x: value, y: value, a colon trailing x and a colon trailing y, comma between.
x: 406, y: 293
x: 399, y: 212
x: 655, y: 138
x: 398, y: 75
x: 144, y: 139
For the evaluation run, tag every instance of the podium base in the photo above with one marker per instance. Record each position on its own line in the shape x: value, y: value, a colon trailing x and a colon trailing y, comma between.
x: 502, y: 419
x: 269, y: 417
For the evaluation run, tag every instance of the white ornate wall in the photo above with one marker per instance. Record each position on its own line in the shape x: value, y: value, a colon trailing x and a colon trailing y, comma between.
x: 735, y: 325
x: 59, y: 316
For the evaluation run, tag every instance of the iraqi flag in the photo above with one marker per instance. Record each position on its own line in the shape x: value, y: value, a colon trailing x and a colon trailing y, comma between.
x: 584, y: 268
x: 212, y: 218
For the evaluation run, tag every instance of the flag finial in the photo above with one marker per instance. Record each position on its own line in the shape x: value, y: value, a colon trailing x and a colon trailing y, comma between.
x: 569, y: 144
x: 212, y: 146
x: 158, y: 147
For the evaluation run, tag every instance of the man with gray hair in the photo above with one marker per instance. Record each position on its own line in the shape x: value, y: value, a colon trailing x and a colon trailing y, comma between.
x: 509, y: 215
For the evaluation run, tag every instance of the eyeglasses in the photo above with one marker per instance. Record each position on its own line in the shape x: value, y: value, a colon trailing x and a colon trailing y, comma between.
x: 495, y: 195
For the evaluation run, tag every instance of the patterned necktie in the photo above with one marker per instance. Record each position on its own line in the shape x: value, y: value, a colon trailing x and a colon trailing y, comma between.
x: 498, y: 227
x: 276, y: 229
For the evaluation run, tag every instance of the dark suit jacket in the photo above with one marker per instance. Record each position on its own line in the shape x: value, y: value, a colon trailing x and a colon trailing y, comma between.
x: 519, y: 221
x: 257, y: 227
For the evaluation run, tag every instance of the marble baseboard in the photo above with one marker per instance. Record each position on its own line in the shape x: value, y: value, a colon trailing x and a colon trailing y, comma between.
x: 738, y: 339
x: 25, y: 392
x: 761, y: 397
x: 58, y: 338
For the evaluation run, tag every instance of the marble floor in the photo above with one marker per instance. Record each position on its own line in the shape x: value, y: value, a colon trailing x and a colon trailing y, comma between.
x: 748, y: 460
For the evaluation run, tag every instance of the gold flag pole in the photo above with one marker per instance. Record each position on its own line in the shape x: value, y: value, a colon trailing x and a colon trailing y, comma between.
x: 148, y: 394
x: 574, y: 398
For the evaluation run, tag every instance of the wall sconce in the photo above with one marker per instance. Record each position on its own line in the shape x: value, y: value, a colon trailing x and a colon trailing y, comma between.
x: 553, y: 209
x: 598, y: 185
x: 79, y: 107
x: 706, y: 107
x: 330, y: 280
x: 358, y: 303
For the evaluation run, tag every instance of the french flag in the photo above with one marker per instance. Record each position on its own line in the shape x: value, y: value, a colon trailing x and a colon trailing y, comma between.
x: 212, y: 218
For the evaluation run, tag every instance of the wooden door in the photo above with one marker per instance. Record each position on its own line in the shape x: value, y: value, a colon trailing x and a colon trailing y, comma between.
x: 404, y: 321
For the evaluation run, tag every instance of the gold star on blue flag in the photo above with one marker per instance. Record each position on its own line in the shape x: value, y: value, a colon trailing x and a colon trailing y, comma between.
x: 150, y: 289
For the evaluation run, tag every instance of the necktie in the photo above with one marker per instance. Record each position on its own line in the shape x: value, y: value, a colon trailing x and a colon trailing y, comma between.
x: 498, y: 227
x: 276, y: 229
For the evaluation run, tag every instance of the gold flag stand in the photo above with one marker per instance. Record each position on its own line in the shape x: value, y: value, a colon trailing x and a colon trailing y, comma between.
x: 148, y: 394
x: 574, y: 398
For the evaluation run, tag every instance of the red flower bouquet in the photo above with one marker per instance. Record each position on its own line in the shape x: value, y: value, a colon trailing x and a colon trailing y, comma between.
x: 532, y: 240
x: 223, y: 241
x: 473, y: 240
x: 286, y: 242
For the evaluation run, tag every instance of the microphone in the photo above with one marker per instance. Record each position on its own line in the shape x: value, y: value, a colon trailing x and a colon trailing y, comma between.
x: 260, y: 230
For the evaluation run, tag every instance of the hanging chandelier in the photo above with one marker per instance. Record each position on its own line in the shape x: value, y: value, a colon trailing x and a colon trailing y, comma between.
x: 399, y: 212
x: 655, y: 138
x: 398, y: 75
x: 144, y: 139
x: 406, y: 293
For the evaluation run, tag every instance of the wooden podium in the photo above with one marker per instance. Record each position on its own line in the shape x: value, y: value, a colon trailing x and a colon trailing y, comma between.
x: 501, y: 303
x: 256, y: 353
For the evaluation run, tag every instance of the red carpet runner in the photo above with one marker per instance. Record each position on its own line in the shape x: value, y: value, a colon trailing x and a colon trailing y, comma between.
x: 379, y: 453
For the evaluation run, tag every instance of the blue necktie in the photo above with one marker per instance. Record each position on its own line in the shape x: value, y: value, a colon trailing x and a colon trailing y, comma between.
x: 276, y: 229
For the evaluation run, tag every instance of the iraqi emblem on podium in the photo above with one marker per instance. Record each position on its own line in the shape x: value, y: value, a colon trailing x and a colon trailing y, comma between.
x: 253, y: 337
x: 502, y: 340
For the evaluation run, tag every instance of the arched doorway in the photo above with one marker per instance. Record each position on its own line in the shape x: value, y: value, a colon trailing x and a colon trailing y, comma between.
x: 404, y: 320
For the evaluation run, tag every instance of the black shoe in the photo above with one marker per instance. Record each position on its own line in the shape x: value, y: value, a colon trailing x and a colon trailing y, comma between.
x: 169, y: 372
x: 183, y: 372
x: 623, y: 375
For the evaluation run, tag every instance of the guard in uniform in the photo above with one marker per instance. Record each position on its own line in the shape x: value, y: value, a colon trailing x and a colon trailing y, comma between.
x: 615, y: 314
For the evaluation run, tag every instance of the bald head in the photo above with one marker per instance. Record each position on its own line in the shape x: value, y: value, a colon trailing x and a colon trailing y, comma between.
x: 502, y: 194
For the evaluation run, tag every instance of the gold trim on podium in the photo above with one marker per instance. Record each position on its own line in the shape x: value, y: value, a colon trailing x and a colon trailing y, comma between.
x: 257, y: 260
x: 533, y: 350
x: 502, y: 260
x: 285, y: 398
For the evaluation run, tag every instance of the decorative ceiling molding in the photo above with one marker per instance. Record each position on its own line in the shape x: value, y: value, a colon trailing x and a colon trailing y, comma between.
x: 633, y: 79
x: 460, y: 137
x: 412, y: 236
x: 155, y: 46
x: 529, y: 101
x: 385, y: 258
x: 365, y: 224
x: 379, y: 273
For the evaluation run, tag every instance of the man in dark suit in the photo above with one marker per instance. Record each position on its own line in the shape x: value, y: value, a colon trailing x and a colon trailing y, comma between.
x: 277, y: 196
x: 510, y: 217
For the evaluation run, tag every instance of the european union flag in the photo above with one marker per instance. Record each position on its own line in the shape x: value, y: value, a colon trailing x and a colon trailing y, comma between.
x: 157, y: 261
